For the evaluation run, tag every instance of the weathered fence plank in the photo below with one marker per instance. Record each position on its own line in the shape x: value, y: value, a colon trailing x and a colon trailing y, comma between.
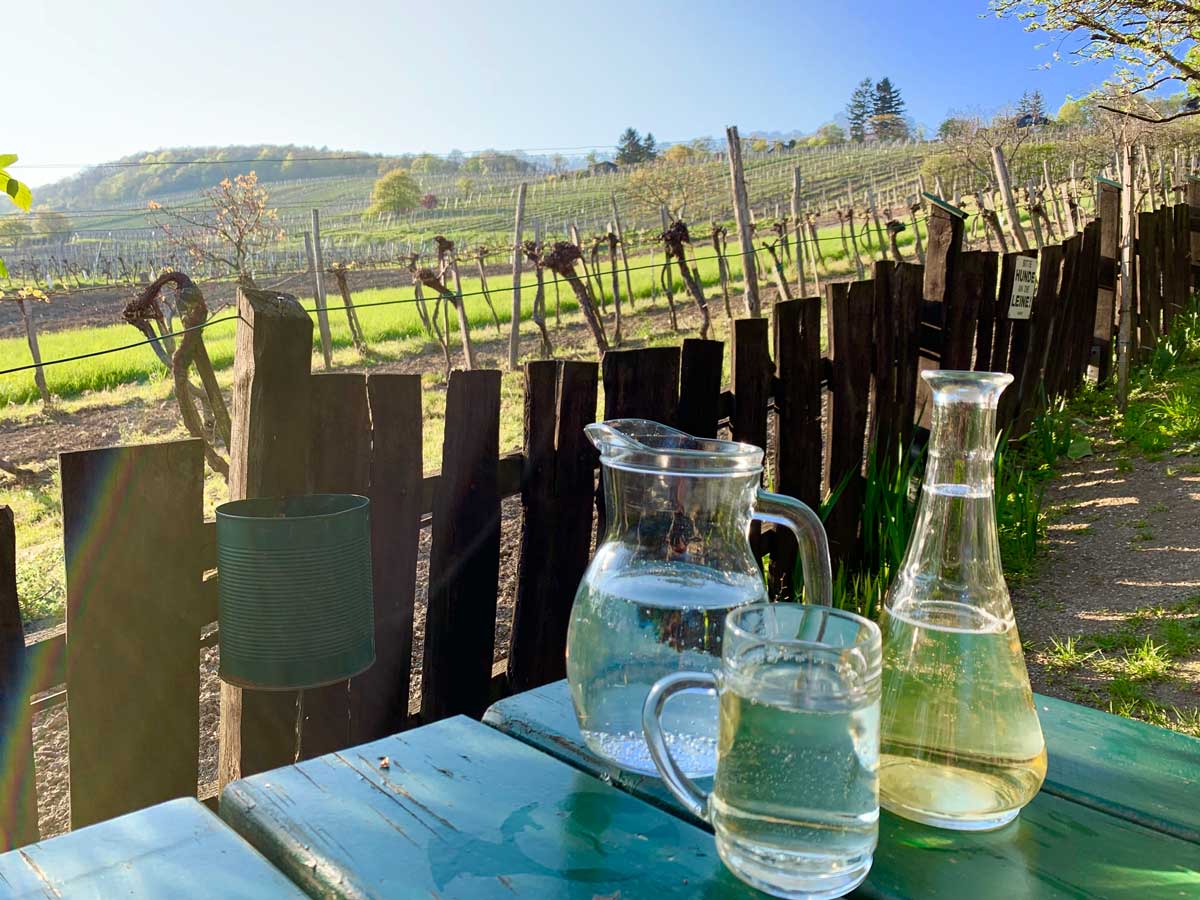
x: 339, y: 463
x: 379, y: 696
x: 131, y: 533
x: 642, y: 384
x: 797, y: 328
x: 986, y: 314
x: 536, y: 576
x: 751, y: 364
x: 1149, y: 279
x: 848, y: 314
x: 906, y: 303
x: 1028, y: 353
x: 464, y: 564
x: 700, y: 374
x: 1106, y: 277
x: 18, y: 812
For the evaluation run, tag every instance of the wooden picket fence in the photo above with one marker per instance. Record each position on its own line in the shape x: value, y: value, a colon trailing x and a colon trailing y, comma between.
x: 141, y: 590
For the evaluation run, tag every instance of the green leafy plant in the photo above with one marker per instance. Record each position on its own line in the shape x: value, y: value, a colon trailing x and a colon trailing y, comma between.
x: 17, y: 192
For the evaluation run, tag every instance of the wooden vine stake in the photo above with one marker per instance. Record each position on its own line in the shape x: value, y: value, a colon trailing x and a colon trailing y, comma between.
x: 741, y: 210
x: 616, y: 286
x: 624, y: 256
x: 317, y: 265
x: 356, y: 333
x: 718, y: 242
x: 1000, y: 168
x: 514, y: 334
x: 39, y: 375
x: 801, y: 285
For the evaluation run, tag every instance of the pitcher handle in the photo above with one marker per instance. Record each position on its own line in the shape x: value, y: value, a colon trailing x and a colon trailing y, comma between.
x: 693, y: 799
x: 810, y: 536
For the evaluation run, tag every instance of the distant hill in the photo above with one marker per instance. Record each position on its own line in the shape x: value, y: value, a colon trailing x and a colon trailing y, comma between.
x: 139, y: 177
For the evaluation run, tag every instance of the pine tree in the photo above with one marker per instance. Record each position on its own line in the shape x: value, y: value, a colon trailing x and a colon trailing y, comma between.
x: 887, y: 112
x: 1032, y: 104
x: 858, y: 110
x: 649, y: 148
x: 629, y: 147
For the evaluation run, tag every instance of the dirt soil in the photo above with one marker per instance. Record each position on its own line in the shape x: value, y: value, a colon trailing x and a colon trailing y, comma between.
x: 1122, y: 541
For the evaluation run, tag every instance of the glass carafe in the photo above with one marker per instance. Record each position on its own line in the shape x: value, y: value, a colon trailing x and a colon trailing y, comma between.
x: 962, y: 745
x: 674, y: 558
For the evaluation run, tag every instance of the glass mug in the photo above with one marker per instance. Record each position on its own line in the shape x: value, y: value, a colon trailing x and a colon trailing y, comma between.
x: 795, y: 799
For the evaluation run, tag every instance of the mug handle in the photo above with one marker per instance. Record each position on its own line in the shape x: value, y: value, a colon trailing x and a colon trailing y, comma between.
x: 693, y: 799
x: 810, y: 536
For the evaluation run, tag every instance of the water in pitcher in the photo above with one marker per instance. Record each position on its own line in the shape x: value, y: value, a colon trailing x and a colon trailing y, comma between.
x: 633, y: 624
x: 796, y: 783
x: 962, y: 746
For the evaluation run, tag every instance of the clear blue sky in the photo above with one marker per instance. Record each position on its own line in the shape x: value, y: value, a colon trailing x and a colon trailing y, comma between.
x: 97, y: 80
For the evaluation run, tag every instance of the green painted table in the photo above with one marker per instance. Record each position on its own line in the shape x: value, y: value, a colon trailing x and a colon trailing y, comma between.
x: 174, y: 850
x: 461, y: 810
x: 1118, y: 816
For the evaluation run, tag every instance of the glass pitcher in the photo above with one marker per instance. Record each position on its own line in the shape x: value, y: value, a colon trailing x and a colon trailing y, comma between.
x: 675, y: 557
x: 962, y: 745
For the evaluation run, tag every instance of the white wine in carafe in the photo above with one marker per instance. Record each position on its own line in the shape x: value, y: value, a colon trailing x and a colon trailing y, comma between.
x: 962, y: 745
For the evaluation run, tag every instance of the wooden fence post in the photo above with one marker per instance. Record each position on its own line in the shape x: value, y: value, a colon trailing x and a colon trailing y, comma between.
x: 19, y: 812
x: 133, y: 607
x: 269, y: 458
x: 514, y: 334
x: 741, y: 211
x: 316, y: 260
x: 1110, y: 221
x: 464, y: 562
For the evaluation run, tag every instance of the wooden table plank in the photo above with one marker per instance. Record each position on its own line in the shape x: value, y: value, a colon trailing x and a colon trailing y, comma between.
x: 1057, y: 848
x: 1126, y: 768
x: 177, y: 849
x: 464, y: 811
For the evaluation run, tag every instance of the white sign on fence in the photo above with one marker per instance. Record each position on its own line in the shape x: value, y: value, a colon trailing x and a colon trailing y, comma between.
x: 1024, y: 286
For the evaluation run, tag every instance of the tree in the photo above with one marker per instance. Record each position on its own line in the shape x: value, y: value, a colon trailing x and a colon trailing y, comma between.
x: 759, y: 145
x: 649, y: 147
x: 830, y: 133
x: 1074, y: 113
x: 629, y: 147
x: 951, y: 127
x: 665, y: 184
x: 429, y: 201
x: 679, y: 153
x: 465, y: 186
x: 1033, y: 105
x: 887, y: 112
x: 394, y: 192
x: 51, y: 225
x: 13, y: 230
x: 233, y: 223
x: 858, y: 110
x: 1151, y: 40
